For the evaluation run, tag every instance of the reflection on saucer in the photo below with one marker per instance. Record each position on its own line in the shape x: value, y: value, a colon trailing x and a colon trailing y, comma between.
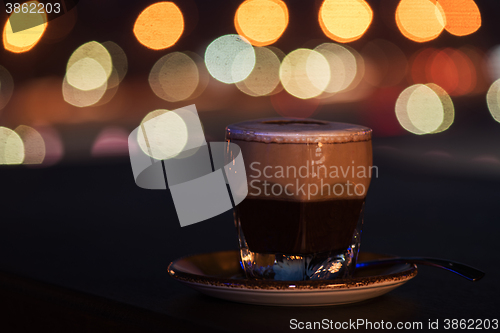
x: 219, y: 275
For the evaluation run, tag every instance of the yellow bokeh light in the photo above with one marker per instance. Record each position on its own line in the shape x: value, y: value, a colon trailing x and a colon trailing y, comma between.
x: 82, y: 98
x: 262, y: 22
x: 425, y: 109
x: 11, y: 147
x: 203, y: 75
x: 6, y: 87
x: 159, y: 26
x: 493, y: 100
x: 34, y: 145
x: 24, y: 40
x: 230, y: 58
x: 264, y: 78
x: 462, y: 16
x: 95, y: 51
x: 92, y: 77
x: 174, y: 77
x: 305, y: 73
x: 86, y: 74
x: 345, y: 20
x: 342, y: 63
x: 420, y: 20
x: 162, y: 134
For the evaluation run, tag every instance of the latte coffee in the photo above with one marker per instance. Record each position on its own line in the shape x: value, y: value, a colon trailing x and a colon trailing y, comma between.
x: 307, y: 183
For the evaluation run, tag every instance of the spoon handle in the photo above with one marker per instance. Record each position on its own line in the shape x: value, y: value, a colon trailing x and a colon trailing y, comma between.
x: 468, y: 272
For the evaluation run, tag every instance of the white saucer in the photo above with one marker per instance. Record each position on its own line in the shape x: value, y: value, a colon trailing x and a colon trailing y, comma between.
x: 219, y: 274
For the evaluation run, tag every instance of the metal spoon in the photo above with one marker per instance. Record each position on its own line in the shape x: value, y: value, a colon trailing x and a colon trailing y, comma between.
x: 468, y: 272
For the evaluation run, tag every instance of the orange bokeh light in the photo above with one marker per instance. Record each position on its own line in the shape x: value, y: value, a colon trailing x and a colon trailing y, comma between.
x: 418, y: 64
x: 442, y: 70
x: 451, y: 69
x: 420, y: 20
x: 462, y: 16
x: 261, y: 22
x: 345, y: 21
x: 159, y: 26
x: 24, y: 40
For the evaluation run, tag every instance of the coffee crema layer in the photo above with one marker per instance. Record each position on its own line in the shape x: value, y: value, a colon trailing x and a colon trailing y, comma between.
x: 307, y: 172
x: 282, y: 130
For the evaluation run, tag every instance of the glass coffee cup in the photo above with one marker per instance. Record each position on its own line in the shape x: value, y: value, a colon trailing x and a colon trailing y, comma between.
x: 307, y: 182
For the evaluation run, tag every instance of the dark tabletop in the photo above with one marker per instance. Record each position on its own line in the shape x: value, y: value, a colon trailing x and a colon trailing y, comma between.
x: 84, y: 249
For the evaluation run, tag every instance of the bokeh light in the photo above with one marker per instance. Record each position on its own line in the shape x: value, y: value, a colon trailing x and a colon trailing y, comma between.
x: 493, y: 100
x: 86, y: 74
x: 419, y: 63
x: 462, y: 16
x: 82, y: 98
x: 159, y: 26
x: 386, y: 64
x: 119, y: 61
x: 24, y: 40
x: 342, y: 63
x: 54, y: 148
x: 449, y: 68
x: 264, y: 78
x: 11, y: 147
x: 6, y: 86
x: 305, y: 73
x: 420, y: 20
x: 261, y: 22
x: 230, y: 58
x: 452, y: 70
x: 111, y: 141
x: 442, y: 70
x: 174, y: 77
x: 162, y: 134
x: 425, y: 109
x: 93, y: 74
x: 34, y: 146
x: 90, y: 61
x: 203, y: 75
x: 494, y: 63
x: 345, y: 20
x: 111, y: 88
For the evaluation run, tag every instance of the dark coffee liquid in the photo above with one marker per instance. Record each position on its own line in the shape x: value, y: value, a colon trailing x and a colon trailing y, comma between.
x: 295, y: 227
